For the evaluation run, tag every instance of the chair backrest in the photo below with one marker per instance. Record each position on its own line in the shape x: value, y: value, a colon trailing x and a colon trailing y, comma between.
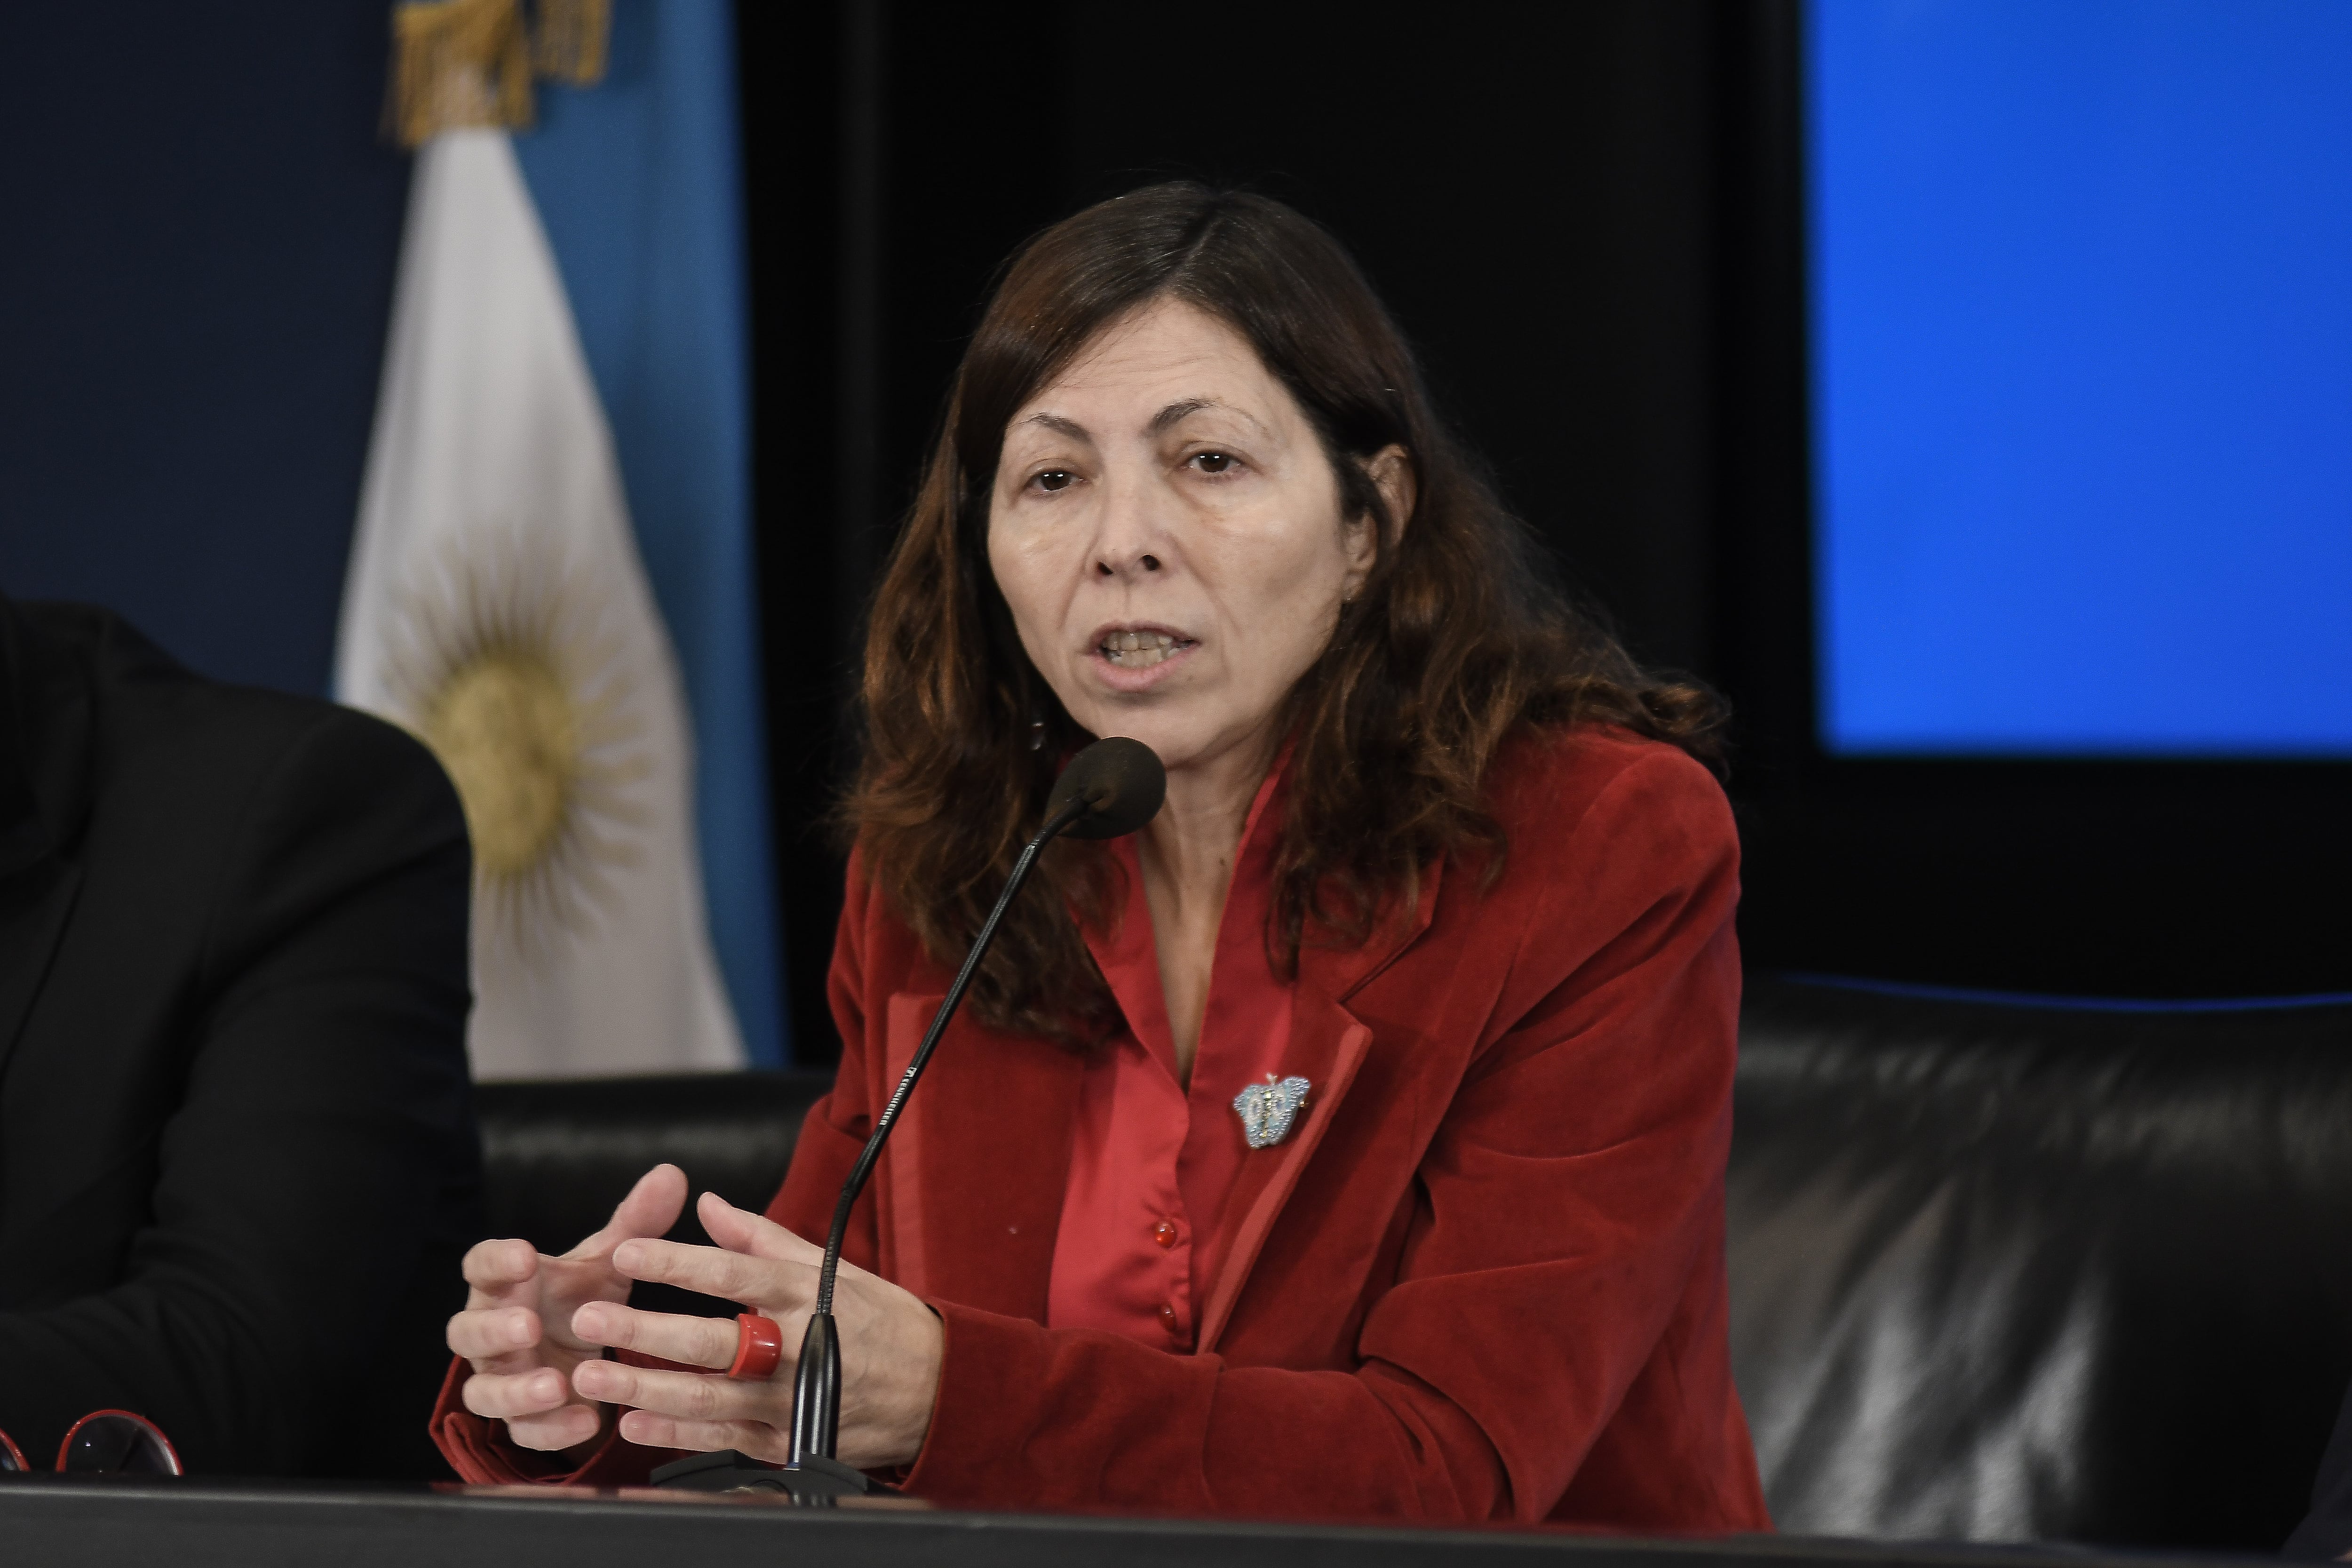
x: 557, y: 1155
x: 1997, y: 1273
x: 2010, y: 1272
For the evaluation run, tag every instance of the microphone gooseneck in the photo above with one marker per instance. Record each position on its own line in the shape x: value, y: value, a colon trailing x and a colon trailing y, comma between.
x: 1111, y: 788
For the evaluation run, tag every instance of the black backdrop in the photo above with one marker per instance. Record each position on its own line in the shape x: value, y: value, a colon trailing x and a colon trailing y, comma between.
x: 203, y: 222
x: 1531, y: 186
x: 1588, y: 218
x: 1586, y: 215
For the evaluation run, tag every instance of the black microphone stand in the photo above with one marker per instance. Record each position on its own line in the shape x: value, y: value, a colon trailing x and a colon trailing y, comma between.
x: 812, y: 1476
x: 817, y: 1382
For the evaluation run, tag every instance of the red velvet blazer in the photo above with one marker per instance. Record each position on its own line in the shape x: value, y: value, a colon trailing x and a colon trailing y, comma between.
x: 1483, y: 1279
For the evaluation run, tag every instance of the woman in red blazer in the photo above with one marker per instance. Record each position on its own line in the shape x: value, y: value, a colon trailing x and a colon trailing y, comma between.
x: 1349, y: 1141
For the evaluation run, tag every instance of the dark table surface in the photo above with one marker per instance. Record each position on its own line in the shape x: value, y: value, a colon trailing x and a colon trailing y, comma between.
x: 126, y: 1523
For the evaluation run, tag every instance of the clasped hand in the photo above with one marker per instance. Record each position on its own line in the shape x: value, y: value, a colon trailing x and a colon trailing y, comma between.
x: 535, y: 1330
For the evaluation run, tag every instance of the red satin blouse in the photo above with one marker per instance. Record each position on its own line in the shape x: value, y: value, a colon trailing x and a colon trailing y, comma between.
x: 1153, y: 1158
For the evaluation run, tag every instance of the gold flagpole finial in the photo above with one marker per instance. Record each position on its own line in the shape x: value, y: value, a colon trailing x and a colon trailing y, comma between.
x: 469, y: 62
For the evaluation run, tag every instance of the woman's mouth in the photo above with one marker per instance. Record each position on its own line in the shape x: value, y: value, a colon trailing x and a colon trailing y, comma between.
x: 1140, y: 650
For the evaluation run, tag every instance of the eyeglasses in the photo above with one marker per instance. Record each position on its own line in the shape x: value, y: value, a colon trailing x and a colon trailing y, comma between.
x: 106, y: 1442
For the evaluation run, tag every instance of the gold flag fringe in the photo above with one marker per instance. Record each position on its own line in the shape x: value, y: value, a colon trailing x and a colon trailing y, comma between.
x: 457, y: 62
x: 568, y: 44
x: 469, y: 62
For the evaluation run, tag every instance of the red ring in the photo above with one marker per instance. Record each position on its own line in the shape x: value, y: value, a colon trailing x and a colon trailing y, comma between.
x: 14, y: 1452
x: 759, y: 1347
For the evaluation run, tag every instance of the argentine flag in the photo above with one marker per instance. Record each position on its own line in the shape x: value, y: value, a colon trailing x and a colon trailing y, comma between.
x: 498, y: 605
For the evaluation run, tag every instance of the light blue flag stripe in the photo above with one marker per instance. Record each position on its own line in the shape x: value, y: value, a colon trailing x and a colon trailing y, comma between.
x: 638, y: 181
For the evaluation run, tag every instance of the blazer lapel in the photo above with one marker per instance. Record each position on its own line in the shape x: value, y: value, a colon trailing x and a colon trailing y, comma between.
x: 34, y: 904
x: 45, y: 722
x: 973, y: 1177
x: 1343, y: 971
x: 1327, y: 1044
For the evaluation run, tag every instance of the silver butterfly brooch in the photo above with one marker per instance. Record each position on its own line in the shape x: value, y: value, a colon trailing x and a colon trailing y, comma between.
x: 1268, y: 1109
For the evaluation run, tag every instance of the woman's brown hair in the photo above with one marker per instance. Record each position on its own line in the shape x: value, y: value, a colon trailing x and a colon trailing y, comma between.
x: 1453, y: 643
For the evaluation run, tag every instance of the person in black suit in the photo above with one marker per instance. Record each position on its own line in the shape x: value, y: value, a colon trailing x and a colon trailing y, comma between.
x: 237, y: 1157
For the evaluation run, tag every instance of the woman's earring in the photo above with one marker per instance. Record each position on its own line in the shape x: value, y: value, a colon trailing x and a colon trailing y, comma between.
x: 1037, y: 735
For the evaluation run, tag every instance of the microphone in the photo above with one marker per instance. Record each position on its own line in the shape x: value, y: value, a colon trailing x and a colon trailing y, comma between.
x: 1108, y: 790
x: 1122, y: 783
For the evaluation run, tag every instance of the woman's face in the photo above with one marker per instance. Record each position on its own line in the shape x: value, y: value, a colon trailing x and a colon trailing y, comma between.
x: 1169, y: 535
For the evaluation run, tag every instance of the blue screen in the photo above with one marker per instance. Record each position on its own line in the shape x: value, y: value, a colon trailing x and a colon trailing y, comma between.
x: 2081, y: 318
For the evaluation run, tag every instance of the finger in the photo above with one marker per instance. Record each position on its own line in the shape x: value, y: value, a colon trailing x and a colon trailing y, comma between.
x: 502, y: 1265
x: 753, y: 1437
x: 740, y: 1230
x: 690, y: 1396
x: 503, y: 1397
x: 558, y: 1429
x: 484, y: 1333
x: 652, y: 1206
x: 772, y: 1285
x: 697, y: 1341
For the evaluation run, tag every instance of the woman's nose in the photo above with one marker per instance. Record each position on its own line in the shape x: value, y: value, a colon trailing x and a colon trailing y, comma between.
x: 1131, y: 543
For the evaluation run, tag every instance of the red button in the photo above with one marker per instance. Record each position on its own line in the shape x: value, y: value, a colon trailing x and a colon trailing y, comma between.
x: 1167, y: 1316
x: 1164, y: 1233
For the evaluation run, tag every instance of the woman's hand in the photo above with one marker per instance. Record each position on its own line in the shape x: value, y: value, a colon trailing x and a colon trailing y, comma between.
x: 890, y: 1347
x: 517, y: 1327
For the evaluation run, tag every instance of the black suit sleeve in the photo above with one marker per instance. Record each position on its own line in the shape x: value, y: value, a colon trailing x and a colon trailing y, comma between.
x: 280, y: 1312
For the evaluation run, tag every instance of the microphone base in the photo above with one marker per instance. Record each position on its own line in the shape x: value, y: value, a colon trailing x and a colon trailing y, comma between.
x: 813, y: 1482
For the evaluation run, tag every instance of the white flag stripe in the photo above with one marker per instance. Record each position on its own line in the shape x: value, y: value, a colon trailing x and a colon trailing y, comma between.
x: 496, y: 605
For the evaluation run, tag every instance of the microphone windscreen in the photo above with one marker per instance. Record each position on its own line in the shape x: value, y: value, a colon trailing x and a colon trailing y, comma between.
x: 1121, y: 782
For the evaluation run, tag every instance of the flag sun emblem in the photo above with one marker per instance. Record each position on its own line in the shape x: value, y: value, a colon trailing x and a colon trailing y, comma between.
x: 502, y: 673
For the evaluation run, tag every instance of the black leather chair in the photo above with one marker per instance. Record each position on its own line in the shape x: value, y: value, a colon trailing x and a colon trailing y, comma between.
x: 2024, y: 1272
x: 557, y: 1156
x: 1999, y: 1273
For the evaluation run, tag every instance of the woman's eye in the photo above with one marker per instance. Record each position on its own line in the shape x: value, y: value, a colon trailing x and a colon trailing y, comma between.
x: 1054, y: 479
x: 1211, y: 462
